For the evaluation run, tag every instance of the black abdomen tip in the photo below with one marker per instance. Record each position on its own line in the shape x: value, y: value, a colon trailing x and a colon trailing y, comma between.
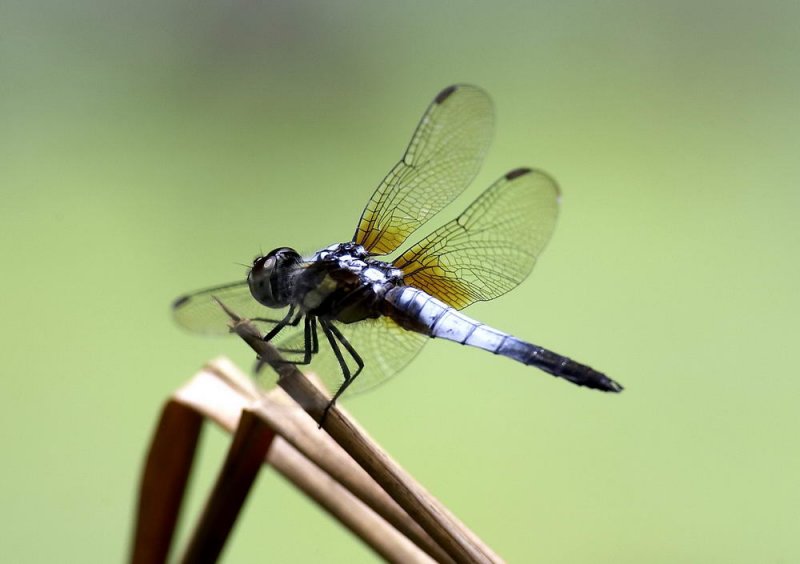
x: 610, y: 385
x: 591, y: 378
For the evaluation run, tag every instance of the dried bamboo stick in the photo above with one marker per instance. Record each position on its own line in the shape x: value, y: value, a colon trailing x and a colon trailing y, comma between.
x: 220, y: 392
x: 295, y: 427
x: 455, y: 538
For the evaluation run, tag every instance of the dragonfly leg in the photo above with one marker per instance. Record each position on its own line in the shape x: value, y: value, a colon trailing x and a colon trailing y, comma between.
x: 287, y: 320
x: 314, y: 342
x: 333, y: 334
x: 310, y: 343
x: 266, y: 319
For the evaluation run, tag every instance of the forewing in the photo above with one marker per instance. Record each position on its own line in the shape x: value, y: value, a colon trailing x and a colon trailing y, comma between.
x: 200, y: 312
x: 443, y: 157
x: 491, y: 247
x: 384, y: 346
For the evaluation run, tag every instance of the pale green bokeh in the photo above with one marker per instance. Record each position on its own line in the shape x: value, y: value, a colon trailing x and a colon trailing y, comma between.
x: 146, y: 149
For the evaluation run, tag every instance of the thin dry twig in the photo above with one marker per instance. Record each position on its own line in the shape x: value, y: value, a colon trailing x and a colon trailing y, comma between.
x: 344, y: 470
x: 251, y: 442
x: 299, y: 435
x: 163, y: 483
x: 452, y: 535
x: 222, y: 393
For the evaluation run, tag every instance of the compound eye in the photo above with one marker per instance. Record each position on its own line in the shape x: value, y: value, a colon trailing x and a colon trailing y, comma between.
x: 262, y: 264
x: 284, y: 254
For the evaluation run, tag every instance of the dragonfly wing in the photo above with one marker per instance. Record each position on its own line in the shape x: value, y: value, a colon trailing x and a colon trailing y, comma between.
x: 200, y: 312
x: 443, y: 157
x: 384, y: 346
x: 491, y: 247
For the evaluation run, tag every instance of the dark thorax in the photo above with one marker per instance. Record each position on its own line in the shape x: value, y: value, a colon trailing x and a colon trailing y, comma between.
x: 341, y: 282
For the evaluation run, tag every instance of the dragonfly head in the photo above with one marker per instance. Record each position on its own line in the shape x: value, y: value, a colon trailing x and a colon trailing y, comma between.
x: 270, y: 277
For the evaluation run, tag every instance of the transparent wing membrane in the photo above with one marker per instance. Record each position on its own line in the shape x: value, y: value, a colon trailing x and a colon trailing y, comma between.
x: 491, y: 247
x: 443, y: 157
x: 483, y: 253
x: 384, y: 346
x: 199, y: 312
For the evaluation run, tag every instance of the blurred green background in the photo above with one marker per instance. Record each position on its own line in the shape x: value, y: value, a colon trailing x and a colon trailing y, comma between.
x: 148, y: 148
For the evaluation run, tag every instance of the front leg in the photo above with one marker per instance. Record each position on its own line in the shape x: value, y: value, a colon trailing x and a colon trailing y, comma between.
x: 287, y: 320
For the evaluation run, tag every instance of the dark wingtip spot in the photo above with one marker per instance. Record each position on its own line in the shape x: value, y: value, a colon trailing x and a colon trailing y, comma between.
x: 445, y: 94
x: 517, y: 172
x: 180, y: 301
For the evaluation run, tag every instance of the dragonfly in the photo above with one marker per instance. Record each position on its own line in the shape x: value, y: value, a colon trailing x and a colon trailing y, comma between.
x: 376, y: 312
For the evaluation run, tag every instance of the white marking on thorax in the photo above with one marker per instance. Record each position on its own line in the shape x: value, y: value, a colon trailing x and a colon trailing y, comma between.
x: 373, y: 274
x: 315, y: 297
